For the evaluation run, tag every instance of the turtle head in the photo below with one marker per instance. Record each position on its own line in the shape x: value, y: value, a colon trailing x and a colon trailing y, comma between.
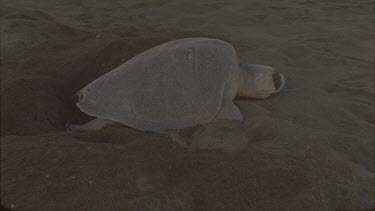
x: 258, y: 81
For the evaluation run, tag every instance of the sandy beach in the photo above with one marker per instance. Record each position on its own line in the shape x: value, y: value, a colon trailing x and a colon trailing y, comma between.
x: 311, y: 147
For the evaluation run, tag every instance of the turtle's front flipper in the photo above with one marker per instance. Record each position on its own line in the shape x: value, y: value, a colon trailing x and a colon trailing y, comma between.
x: 95, y: 124
x: 229, y: 111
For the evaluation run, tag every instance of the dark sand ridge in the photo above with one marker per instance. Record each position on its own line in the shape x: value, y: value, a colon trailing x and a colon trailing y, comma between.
x: 311, y: 147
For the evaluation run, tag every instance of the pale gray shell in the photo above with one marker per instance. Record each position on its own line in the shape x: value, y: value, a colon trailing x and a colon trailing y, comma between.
x: 172, y: 86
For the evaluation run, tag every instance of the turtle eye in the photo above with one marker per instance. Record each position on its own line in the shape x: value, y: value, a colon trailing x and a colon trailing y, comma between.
x: 277, y: 80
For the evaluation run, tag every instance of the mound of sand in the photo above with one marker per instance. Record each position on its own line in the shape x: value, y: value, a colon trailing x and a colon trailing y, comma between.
x: 309, y: 148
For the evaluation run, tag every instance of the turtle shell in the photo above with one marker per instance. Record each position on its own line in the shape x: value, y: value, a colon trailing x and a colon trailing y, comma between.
x: 174, y: 85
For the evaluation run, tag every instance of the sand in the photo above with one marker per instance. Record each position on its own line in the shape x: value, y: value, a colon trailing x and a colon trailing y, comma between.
x: 309, y: 148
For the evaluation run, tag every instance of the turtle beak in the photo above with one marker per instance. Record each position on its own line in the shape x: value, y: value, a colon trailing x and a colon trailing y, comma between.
x: 278, y: 81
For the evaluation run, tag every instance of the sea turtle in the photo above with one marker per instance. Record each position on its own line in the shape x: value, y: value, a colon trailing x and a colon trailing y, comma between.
x: 176, y: 85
